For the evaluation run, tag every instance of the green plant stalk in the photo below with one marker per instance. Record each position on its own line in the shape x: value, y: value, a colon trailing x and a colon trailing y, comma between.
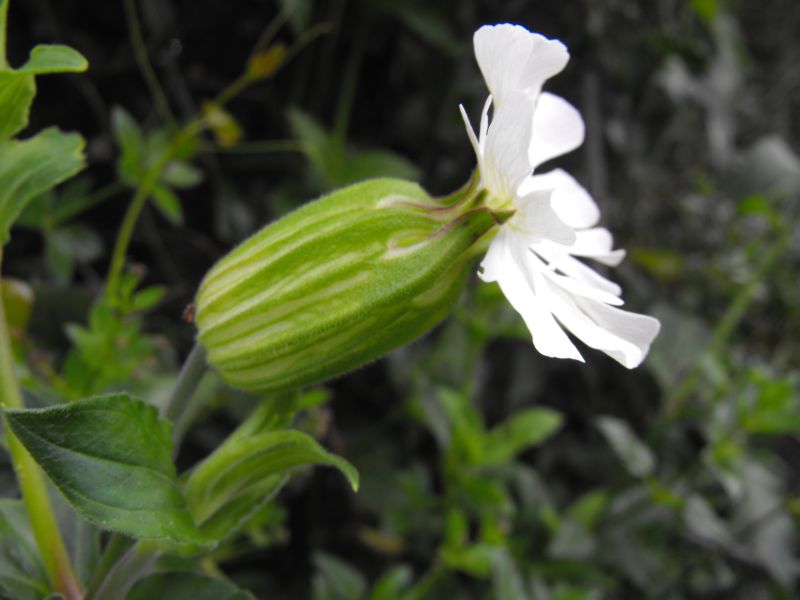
x: 727, y: 324
x: 191, y: 373
x: 3, y: 19
x: 115, y: 549
x: 344, y: 108
x: 140, y: 53
x: 140, y: 197
x: 31, y: 482
x: 134, y: 564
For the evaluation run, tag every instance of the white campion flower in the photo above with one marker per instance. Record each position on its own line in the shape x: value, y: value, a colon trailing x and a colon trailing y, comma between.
x: 535, y: 256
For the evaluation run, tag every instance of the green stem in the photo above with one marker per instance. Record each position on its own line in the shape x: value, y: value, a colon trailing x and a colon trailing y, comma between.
x: 3, y: 18
x: 425, y: 585
x: 344, y: 108
x: 32, y: 483
x: 192, y: 371
x: 261, y: 147
x: 115, y: 549
x: 140, y: 53
x: 135, y: 563
x: 140, y: 197
x: 728, y: 323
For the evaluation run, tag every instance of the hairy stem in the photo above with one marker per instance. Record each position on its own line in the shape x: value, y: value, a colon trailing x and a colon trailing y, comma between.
x: 32, y: 483
x: 192, y: 371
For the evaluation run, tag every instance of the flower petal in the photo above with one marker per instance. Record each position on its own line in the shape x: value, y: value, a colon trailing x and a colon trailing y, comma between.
x: 624, y: 336
x: 512, y: 58
x: 560, y: 258
x: 537, y: 219
x: 597, y: 244
x: 506, y: 263
x: 580, y: 288
x: 505, y: 158
x: 570, y: 200
x: 638, y: 330
x: 557, y: 129
x: 470, y: 133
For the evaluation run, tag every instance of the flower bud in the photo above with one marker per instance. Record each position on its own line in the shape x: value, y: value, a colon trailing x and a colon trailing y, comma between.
x: 337, y: 283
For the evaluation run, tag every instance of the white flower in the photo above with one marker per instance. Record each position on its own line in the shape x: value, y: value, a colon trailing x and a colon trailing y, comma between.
x: 535, y: 256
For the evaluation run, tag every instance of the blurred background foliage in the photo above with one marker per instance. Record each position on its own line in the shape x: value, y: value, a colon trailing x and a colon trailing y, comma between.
x: 487, y: 470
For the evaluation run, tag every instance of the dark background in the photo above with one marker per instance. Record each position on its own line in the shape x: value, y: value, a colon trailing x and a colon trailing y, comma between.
x: 692, y: 132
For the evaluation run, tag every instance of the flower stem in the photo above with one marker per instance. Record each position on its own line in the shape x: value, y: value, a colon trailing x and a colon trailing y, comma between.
x: 140, y: 53
x: 32, y: 483
x: 192, y: 371
x: 134, y: 564
x: 3, y: 18
x: 140, y: 197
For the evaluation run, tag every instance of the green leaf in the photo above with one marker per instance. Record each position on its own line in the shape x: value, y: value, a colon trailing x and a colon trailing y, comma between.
x: 54, y: 58
x: 131, y: 142
x: 181, y: 174
x: 340, y: 580
x: 148, y: 297
x: 366, y: 164
x: 16, y: 97
x: 520, y: 431
x: 30, y: 167
x: 22, y: 575
x: 466, y: 425
x: 637, y: 458
x: 506, y: 579
x: 247, y: 471
x: 426, y: 22
x: 186, y: 586
x: 706, y: 9
x: 17, y: 298
x: 111, y: 458
x: 168, y: 204
x: 392, y: 584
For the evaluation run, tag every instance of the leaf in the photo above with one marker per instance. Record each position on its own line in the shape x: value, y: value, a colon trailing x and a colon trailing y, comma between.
x: 16, y: 97
x: 130, y: 139
x: 340, y: 580
x: 168, y: 204
x: 267, y: 62
x: 506, y: 579
x: 30, y: 167
x: 246, y: 472
x: 186, y: 586
x: 17, y: 299
x: 703, y: 521
x: 111, y: 458
x: 422, y: 19
x: 367, y: 164
x: 466, y: 426
x: 22, y: 575
x: 392, y: 584
x: 54, y: 58
x: 299, y: 13
x: 181, y: 174
x: 706, y: 9
x: 637, y: 458
x: 324, y: 153
x: 522, y: 430
x: 224, y: 126
x: 148, y: 297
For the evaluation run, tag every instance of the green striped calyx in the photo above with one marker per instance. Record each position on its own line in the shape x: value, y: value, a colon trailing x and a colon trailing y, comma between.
x: 338, y: 283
